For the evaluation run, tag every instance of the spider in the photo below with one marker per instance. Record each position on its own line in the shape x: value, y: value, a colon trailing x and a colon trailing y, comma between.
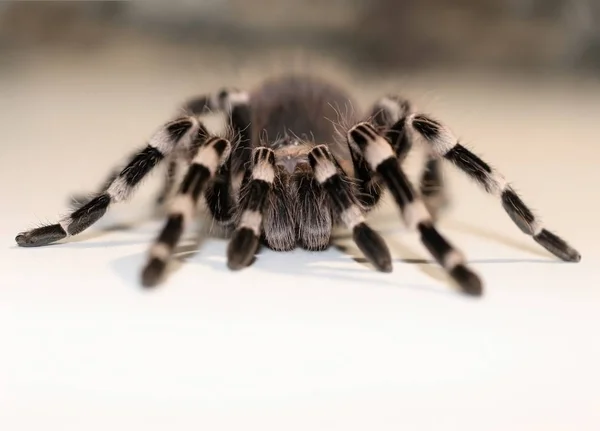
x: 286, y: 175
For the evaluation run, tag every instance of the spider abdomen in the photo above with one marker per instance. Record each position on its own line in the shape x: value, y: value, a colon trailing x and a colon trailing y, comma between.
x: 292, y: 109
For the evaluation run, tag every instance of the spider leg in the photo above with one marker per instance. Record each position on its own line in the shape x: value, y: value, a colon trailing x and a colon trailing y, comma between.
x: 254, y: 196
x: 80, y: 199
x: 379, y: 154
x: 388, y: 117
x: 444, y: 145
x: 221, y: 191
x: 220, y: 101
x: 368, y: 185
x: 169, y: 181
x: 206, y: 162
x: 160, y: 145
x: 433, y: 188
x: 342, y: 198
x: 225, y: 101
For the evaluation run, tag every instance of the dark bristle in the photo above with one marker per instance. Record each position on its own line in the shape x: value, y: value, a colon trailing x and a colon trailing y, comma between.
x: 41, y: 236
x: 468, y: 281
x: 398, y: 137
x: 241, y: 249
x: 88, y: 214
x: 431, y: 180
x: 557, y: 246
x: 373, y: 247
x: 471, y: 164
x: 153, y: 272
x: 140, y: 165
x: 427, y: 127
x: 172, y: 231
x: 518, y: 211
x: 177, y: 129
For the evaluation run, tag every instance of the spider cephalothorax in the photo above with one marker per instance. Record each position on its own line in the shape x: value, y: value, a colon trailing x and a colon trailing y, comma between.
x: 287, y: 176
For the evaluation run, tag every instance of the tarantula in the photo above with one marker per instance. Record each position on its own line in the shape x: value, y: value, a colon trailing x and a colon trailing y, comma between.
x: 287, y: 175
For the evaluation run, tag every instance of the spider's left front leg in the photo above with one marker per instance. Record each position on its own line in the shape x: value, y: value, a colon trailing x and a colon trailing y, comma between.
x: 380, y: 157
x: 254, y: 196
x: 208, y: 158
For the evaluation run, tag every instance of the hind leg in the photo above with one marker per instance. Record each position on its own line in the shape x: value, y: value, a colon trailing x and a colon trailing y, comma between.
x: 180, y: 132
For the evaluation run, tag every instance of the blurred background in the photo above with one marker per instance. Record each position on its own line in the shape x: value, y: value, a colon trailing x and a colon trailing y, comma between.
x: 541, y: 35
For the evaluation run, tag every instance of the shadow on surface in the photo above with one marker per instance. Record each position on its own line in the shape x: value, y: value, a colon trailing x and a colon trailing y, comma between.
x: 195, y: 249
x: 496, y: 237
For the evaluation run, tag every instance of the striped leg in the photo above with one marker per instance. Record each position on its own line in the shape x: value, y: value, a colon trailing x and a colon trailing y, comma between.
x: 385, y: 117
x: 432, y: 187
x: 220, y: 192
x: 80, y: 199
x: 368, y: 186
x: 254, y: 196
x: 443, y: 144
x: 384, y: 114
x: 168, y: 186
x: 343, y: 201
x: 380, y: 155
x: 235, y: 104
x: 204, y: 165
x: 178, y: 132
x: 389, y: 117
x: 220, y: 101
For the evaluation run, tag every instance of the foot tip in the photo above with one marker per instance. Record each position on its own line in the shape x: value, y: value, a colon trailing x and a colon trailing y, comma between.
x: 557, y: 246
x: 24, y: 240
x: 574, y: 257
x: 236, y: 263
x: 384, y: 265
x: 373, y: 247
x: 20, y: 239
x: 469, y: 282
x: 152, y: 273
x: 241, y: 250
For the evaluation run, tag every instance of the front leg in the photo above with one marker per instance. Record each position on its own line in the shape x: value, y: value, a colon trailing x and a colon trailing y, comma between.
x: 381, y: 159
x: 253, y: 204
x: 206, y: 162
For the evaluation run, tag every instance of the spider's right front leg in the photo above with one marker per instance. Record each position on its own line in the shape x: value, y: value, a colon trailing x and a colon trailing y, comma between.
x: 160, y: 145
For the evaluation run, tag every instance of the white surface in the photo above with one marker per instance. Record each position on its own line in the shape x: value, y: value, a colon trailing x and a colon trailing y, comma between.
x: 298, y: 341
